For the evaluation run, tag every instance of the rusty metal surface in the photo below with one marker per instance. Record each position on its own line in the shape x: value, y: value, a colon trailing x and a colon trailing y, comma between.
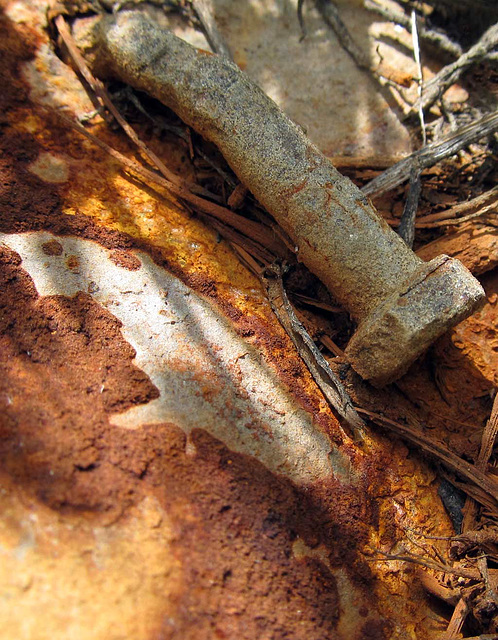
x: 169, y: 468
x: 402, y: 305
x: 313, y: 79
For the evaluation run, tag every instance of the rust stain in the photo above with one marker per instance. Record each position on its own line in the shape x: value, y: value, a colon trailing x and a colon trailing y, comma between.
x: 125, y: 259
x: 73, y: 264
x: 52, y: 248
x: 84, y: 466
x: 66, y: 368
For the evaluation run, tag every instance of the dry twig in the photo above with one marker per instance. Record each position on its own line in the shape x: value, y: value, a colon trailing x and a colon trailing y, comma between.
x: 319, y: 368
x: 435, y: 38
x: 205, y: 13
x: 406, y: 229
x: 332, y: 18
x: 432, y: 154
x: 436, y: 86
x: 485, y: 203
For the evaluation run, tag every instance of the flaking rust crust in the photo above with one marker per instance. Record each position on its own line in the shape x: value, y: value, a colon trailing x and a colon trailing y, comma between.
x: 143, y: 532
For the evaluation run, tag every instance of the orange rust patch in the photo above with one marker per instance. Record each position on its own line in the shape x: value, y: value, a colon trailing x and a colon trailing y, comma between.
x: 125, y: 259
x: 59, y: 383
x: 52, y: 248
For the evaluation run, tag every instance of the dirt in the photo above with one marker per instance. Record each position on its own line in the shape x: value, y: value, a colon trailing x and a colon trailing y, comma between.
x: 234, y: 527
x: 65, y: 369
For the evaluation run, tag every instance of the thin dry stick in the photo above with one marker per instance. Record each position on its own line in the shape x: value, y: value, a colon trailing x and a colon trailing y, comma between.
x: 102, y: 96
x: 454, y: 212
x: 316, y: 303
x: 429, y: 564
x: 436, y: 38
x: 432, y: 154
x: 468, y: 471
x: 319, y: 368
x: 235, y: 237
x: 331, y: 346
x: 331, y: 17
x: 248, y: 259
x: 487, y: 210
x: 205, y: 12
x: 436, y: 86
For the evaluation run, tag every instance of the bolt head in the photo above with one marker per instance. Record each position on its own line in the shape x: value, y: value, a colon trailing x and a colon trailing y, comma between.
x: 437, y: 296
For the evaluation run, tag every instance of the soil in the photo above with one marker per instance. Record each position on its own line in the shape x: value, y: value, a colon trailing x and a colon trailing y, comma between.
x: 65, y: 369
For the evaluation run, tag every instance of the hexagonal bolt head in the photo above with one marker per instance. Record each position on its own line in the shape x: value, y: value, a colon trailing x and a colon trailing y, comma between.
x: 437, y: 296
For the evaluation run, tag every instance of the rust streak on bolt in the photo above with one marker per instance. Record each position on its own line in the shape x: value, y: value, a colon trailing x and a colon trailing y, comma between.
x: 340, y: 237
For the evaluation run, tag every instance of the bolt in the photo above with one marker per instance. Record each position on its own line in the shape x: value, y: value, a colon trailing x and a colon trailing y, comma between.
x: 401, y: 303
